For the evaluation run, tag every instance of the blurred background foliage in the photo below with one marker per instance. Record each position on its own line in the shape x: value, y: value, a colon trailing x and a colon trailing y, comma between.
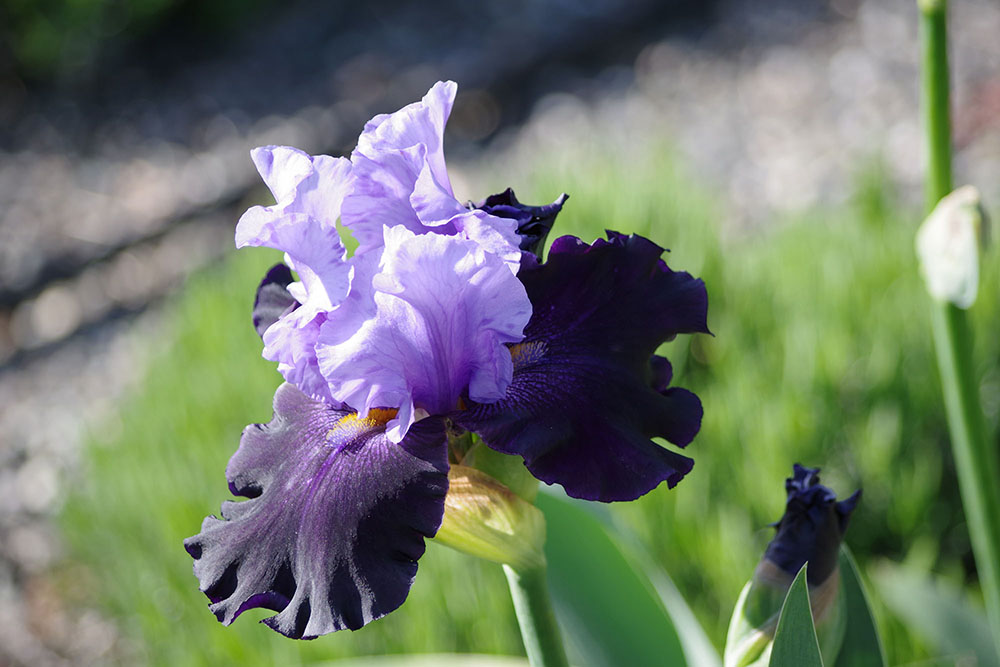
x: 821, y: 355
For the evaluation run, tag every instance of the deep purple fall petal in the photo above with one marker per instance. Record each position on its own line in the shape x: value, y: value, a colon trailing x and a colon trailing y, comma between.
x: 585, y: 398
x: 335, y: 521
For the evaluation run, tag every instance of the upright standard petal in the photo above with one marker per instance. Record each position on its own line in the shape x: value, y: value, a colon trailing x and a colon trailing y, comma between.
x: 400, y: 178
x: 335, y: 523
x: 444, y: 311
x: 400, y: 172
x: 303, y: 183
x: 420, y: 123
x: 302, y: 223
x: 585, y: 397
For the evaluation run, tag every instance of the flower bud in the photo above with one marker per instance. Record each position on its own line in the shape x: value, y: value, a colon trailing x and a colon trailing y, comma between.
x: 810, y: 531
x: 533, y: 222
x: 484, y: 518
x: 948, y: 244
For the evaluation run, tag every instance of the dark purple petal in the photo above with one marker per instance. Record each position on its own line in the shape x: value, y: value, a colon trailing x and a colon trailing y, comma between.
x: 660, y: 372
x: 812, y: 527
x: 533, y: 222
x: 585, y: 398
x: 273, y: 299
x: 335, y: 523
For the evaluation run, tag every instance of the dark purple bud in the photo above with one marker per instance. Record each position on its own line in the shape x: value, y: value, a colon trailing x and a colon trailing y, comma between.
x: 812, y: 528
x: 533, y: 222
x: 273, y: 299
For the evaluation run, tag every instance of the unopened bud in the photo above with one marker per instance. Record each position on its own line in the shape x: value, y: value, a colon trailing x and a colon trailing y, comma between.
x: 484, y: 518
x: 811, y: 530
x: 948, y: 244
x: 533, y: 222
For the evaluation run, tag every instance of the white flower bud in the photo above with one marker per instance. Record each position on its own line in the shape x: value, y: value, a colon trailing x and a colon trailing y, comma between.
x: 948, y: 245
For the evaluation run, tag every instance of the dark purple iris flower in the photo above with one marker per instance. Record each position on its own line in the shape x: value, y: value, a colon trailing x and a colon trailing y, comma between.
x: 812, y: 527
x: 434, y: 322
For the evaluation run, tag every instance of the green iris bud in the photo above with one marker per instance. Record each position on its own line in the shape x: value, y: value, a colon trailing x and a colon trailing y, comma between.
x: 484, y: 518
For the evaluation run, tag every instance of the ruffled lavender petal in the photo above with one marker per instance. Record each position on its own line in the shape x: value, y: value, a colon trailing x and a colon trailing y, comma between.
x: 381, y: 196
x: 445, y: 310
x: 335, y: 521
x: 420, y: 123
x: 317, y: 254
x: 585, y: 398
x: 399, y: 171
x: 309, y: 192
x: 291, y: 341
x: 494, y: 234
x: 313, y: 250
x: 303, y: 183
x: 302, y: 223
x: 399, y: 178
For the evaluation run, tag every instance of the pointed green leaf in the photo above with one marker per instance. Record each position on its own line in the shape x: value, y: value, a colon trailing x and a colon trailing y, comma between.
x: 608, y: 611
x: 795, y: 643
x: 862, y: 646
x: 748, y: 641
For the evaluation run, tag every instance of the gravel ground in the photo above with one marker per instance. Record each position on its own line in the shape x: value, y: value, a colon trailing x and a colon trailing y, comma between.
x: 776, y: 107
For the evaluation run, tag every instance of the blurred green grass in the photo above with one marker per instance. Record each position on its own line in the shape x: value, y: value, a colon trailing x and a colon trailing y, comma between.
x: 821, y: 355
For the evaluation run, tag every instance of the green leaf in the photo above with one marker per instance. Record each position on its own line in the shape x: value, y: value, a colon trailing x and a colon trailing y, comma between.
x: 608, y: 610
x: 795, y: 643
x: 862, y: 646
x: 943, y: 617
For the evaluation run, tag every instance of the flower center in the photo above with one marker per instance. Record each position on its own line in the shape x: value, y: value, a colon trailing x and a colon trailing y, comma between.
x: 377, y: 418
x: 524, y: 354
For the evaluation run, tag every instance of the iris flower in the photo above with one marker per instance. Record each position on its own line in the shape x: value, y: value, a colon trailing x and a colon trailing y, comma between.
x: 444, y: 318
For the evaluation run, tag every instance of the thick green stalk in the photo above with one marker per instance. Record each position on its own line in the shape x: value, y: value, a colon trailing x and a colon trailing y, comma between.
x: 975, y: 457
x: 539, y: 630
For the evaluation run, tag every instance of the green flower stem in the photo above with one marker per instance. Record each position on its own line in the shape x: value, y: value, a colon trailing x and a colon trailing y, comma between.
x: 975, y: 459
x: 935, y: 105
x: 539, y: 630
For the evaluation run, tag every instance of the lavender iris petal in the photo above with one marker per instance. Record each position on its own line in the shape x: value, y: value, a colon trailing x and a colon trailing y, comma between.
x: 445, y: 310
x: 335, y: 521
x: 400, y: 178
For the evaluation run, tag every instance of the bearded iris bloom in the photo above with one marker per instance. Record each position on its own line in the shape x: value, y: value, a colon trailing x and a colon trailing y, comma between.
x: 444, y: 318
